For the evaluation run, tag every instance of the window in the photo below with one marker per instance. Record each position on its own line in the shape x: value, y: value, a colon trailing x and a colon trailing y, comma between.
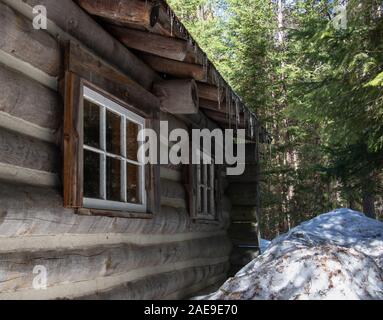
x: 104, y: 110
x: 206, y: 189
x: 113, y: 177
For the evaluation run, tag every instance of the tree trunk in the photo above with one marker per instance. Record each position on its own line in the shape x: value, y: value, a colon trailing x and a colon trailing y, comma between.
x: 369, y: 205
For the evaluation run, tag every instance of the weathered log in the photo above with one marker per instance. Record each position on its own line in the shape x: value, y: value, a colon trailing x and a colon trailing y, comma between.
x: 28, y: 100
x: 171, y: 174
x: 99, y: 73
x: 158, y: 45
x: 177, y: 96
x: 21, y: 40
x: 132, y: 12
x: 30, y: 211
x: 175, y: 68
x: 22, y: 151
x: 243, y: 213
x: 241, y: 198
x: 91, y: 263
x: 166, y: 27
x: 28, y: 107
x: 212, y: 105
x: 209, y: 92
x: 173, y: 194
x: 68, y: 22
x: 243, y: 231
x: 171, y: 285
x: 222, y: 118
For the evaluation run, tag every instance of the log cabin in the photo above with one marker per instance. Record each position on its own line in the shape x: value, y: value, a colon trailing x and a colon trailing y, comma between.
x: 73, y: 197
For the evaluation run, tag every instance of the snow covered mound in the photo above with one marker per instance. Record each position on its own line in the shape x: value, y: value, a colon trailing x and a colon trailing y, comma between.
x: 338, y: 255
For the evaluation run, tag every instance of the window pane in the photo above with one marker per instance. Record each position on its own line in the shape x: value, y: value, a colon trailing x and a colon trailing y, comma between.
x: 91, y: 124
x: 91, y: 175
x: 132, y: 183
x: 131, y: 140
x: 203, y: 200
x: 113, y: 133
x: 209, y: 202
x: 113, y: 179
x: 200, y: 200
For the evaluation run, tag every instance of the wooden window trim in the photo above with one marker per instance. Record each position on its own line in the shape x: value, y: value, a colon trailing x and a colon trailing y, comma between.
x: 104, y: 79
x: 191, y: 185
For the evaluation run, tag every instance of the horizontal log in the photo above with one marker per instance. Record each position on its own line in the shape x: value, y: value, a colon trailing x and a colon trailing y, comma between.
x: 170, y: 174
x: 167, y: 26
x: 80, y: 289
x: 20, y: 39
x: 132, y: 12
x: 28, y: 100
x: 88, y: 264
x: 175, y: 68
x: 208, y: 286
x: 155, y: 44
x: 33, y: 211
x: 250, y: 175
x: 212, y: 105
x: 243, y: 231
x: 171, y: 285
x: 68, y: 21
x: 243, y: 213
x: 209, y: 92
x: 29, y: 70
x: 22, y: 175
x: 22, y: 151
x: 224, y: 119
x: 242, y: 194
x: 100, y: 73
x: 173, y: 194
x: 177, y: 96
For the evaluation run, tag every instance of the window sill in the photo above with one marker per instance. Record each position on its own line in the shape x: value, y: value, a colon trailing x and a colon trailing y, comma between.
x: 113, y: 214
x: 205, y: 221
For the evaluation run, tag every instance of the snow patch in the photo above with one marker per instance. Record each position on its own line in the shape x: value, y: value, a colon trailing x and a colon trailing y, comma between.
x: 337, y: 255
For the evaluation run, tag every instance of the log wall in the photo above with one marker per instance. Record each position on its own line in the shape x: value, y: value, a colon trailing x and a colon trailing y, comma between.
x: 168, y: 256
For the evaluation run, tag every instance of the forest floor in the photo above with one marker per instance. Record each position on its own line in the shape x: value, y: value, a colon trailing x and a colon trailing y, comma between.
x: 337, y: 255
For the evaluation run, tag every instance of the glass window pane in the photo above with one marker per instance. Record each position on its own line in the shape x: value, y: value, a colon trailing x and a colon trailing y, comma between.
x: 91, y: 124
x: 132, y: 130
x: 91, y: 175
x: 113, y: 179
x: 209, y: 202
x: 113, y: 133
x: 201, y: 199
x: 132, y: 183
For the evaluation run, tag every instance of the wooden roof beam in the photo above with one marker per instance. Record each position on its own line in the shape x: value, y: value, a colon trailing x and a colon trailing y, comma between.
x: 130, y: 12
x: 165, y: 47
x: 175, y: 68
x: 210, y: 92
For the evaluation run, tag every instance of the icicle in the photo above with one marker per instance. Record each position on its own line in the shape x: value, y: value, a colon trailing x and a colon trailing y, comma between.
x: 195, y: 52
x: 205, y: 67
x: 219, y: 92
x: 236, y: 113
x: 227, y: 104
x: 172, y: 18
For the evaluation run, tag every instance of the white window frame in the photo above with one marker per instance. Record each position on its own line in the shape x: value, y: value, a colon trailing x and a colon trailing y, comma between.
x: 102, y: 204
x: 205, y: 169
